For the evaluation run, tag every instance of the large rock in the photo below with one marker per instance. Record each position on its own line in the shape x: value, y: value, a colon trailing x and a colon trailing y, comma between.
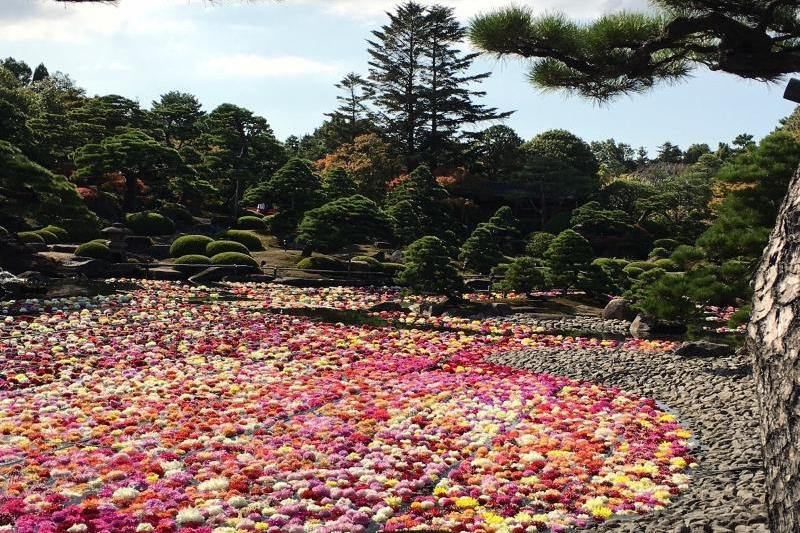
x: 642, y: 327
x: 619, y: 309
x: 703, y: 349
x: 476, y: 285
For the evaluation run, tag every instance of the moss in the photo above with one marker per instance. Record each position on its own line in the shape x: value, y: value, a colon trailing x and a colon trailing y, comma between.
x: 371, y: 262
x: 49, y: 238
x: 220, y: 247
x: 248, y: 238
x: 94, y: 250
x: 189, y: 245
x: 31, y: 237
x: 667, y: 264
x: 234, y: 258
x: 61, y: 233
x: 392, y: 268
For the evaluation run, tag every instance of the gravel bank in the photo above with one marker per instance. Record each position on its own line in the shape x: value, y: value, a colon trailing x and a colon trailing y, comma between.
x: 588, y: 324
x: 715, y: 398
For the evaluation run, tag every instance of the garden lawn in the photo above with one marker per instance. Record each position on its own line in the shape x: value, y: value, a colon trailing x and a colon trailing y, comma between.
x: 169, y: 408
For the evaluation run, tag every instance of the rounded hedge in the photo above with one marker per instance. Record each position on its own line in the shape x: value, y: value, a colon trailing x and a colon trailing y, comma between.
x: 322, y: 262
x: 251, y: 222
x: 61, y: 233
x: 189, y: 245
x: 248, y: 238
x: 220, y: 247
x: 371, y: 262
x: 149, y: 223
x: 644, y: 265
x: 392, y: 268
x: 31, y: 237
x: 49, y: 238
x: 234, y: 258
x: 633, y: 272
x: 193, y: 259
x: 669, y: 244
x: 667, y: 264
x: 176, y: 212
x: 94, y: 250
x: 658, y: 253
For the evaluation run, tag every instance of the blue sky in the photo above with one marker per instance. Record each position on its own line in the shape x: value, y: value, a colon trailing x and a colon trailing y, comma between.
x: 281, y: 60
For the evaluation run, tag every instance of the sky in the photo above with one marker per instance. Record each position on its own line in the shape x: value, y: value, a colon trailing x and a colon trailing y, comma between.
x: 281, y: 59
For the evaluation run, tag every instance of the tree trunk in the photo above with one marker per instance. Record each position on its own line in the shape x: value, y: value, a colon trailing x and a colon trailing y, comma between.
x: 774, y: 341
x: 131, y: 191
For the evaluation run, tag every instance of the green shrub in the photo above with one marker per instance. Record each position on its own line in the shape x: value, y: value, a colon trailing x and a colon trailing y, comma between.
x: 94, y: 250
x: 251, y: 222
x: 667, y: 264
x: 538, y: 242
x: 644, y: 265
x: 740, y: 316
x: 3, y: 232
x: 49, y: 238
x: 149, y: 223
x: 371, y: 262
x: 669, y: 244
x: 176, y: 212
x: 31, y: 237
x: 322, y: 262
x: 428, y: 269
x: 524, y: 275
x: 614, y: 269
x: 687, y: 256
x: 633, y: 272
x: 193, y: 259
x: 61, y: 233
x: 104, y: 242
x: 234, y: 258
x: 501, y: 269
x: 248, y: 238
x: 392, y: 268
x: 189, y: 245
x: 658, y: 253
x: 359, y: 266
x: 220, y: 247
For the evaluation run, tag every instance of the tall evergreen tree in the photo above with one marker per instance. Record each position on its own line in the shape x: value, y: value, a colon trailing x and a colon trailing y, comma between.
x: 177, y: 116
x: 421, y: 82
x: 353, y: 110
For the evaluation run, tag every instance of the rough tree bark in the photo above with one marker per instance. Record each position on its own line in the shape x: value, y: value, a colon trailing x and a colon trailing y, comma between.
x: 774, y: 341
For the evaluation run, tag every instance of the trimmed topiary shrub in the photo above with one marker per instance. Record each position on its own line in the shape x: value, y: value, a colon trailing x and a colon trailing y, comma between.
x: 322, y: 262
x: 192, y: 264
x: 667, y: 264
x: 644, y: 265
x: 251, y: 222
x: 392, y: 268
x: 193, y: 259
x: 149, y: 223
x: 104, y: 242
x: 61, y: 233
x: 176, y: 212
x: 234, y: 258
x: 220, y: 247
x: 31, y: 237
x: 248, y: 238
x: 633, y: 272
x: 373, y: 263
x: 94, y: 250
x: 687, y: 256
x: 658, y: 253
x: 49, y: 238
x: 669, y: 244
x: 189, y: 245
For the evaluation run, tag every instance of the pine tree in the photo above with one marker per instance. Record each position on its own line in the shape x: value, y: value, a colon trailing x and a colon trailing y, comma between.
x: 353, y: 110
x: 421, y: 83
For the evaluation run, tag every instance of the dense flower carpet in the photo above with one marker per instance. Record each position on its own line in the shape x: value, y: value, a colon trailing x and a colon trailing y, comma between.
x: 172, y: 408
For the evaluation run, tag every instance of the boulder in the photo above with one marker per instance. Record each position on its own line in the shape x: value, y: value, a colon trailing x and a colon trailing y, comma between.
x: 619, y: 309
x: 642, y: 327
x: 64, y: 248
x: 396, y: 257
x: 501, y: 309
x: 383, y: 245
x: 379, y: 256
x: 703, y: 349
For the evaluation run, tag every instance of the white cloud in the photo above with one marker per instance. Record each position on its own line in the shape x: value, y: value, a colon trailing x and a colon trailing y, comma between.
x: 256, y: 66
x: 368, y: 10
